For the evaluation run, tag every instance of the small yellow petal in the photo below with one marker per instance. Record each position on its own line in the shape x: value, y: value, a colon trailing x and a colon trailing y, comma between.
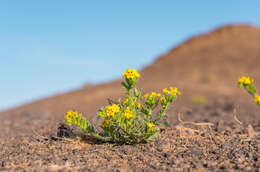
x: 166, y: 91
x: 151, y: 125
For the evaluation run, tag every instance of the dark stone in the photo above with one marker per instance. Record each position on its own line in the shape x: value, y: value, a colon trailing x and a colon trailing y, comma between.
x: 255, y: 157
x: 64, y: 131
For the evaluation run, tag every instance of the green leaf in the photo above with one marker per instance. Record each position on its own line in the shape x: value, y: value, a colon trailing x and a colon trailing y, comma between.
x: 166, y: 123
x: 240, y: 85
x: 137, y: 93
x: 124, y: 85
x: 251, y: 89
x: 145, y: 111
x: 152, y: 136
x: 101, y: 113
x: 155, y: 104
x: 69, y: 121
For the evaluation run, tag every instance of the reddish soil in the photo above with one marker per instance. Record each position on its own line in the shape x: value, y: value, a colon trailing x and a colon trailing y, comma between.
x: 207, y: 65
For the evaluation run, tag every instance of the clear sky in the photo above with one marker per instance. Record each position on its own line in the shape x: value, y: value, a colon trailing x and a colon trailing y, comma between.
x: 52, y: 46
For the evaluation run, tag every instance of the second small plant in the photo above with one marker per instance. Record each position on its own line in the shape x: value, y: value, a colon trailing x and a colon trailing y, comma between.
x: 248, y: 84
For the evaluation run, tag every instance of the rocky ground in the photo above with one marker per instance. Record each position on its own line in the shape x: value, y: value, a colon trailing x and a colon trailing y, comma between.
x: 225, y: 146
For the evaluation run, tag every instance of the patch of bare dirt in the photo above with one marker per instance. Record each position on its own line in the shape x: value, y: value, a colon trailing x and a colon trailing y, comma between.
x: 177, y: 149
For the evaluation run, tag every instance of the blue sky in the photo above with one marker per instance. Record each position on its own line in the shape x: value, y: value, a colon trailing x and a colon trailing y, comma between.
x: 52, y: 46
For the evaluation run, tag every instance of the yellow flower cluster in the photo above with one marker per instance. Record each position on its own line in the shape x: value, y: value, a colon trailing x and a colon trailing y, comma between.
x: 71, y: 114
x: 128, y: 113
x: 172, y: 90
x: 162, y: 99
x: 153, y: 95
x: 106, y: 123
x: 131, y: 74
x: 257, y: 99
x: 112, y: 110
x: 151, y: 125
x: 245, y: 80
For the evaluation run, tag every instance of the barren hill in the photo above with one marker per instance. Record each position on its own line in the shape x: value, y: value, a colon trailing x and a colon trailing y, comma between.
x: 206, y: 65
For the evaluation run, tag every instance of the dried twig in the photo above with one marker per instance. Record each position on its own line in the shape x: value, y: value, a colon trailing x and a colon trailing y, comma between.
x: 235, y: 117
x: 251, y: 132
x: 37, y: 134
x: 194, y: 123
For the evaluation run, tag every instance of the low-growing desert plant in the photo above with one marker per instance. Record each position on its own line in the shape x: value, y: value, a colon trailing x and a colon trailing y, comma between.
x: 248, y: 85
x: 200, y: 100
x: 132, y: 120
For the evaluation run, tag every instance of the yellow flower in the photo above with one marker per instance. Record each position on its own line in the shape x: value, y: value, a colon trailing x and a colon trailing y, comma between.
x: 109, y: 111
x: 128, y: 113
x: 112, y: 110
x: 162, y: 99
x: 155, y: 95
x: 151, y: 125
x: 257, y: 99
x: 106, y: 122
x: 166, y: 91
x: 131, y: 74
x: 241, y: 79
x: 146, y: 95
x: 175, y: 91
x: 71, y: 114
x: 245, y: 80
x: 139, y: 105
x: 116, y: 108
